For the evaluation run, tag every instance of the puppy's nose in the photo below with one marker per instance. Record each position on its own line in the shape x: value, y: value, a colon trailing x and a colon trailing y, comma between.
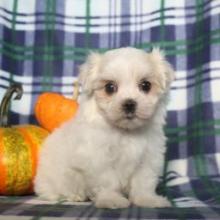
x: 129, y: 106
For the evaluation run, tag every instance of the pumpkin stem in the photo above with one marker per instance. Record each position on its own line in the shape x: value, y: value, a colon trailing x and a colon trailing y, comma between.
x: 75, y: 90
x: 15, y: 88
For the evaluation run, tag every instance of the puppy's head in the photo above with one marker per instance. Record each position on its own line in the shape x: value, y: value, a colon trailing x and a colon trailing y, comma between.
x: 127, y: 84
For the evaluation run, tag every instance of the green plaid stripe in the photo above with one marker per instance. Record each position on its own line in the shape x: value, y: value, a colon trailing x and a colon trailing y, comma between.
x: 87, y: 34
x: 199, y: 159
x: 49, y: 31
x: 162, y: 24
x: 194, y: 126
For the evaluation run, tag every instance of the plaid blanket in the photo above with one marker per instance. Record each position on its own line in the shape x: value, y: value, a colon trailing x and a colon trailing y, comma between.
x: 42, y: 43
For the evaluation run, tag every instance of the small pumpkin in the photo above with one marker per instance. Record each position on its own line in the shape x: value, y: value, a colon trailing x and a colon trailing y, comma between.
x: 19, y: 149
x: 52, y: 109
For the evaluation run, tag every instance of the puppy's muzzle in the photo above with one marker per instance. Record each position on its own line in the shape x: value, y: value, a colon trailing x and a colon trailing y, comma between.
x: 129, y: 106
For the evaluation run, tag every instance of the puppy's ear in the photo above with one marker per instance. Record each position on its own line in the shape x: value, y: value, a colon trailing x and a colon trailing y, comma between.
x: 163, y: 66
x: 89, y: 71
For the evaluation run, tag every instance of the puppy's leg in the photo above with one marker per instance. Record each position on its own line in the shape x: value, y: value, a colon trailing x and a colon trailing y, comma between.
x: 43, y: 187
x: 142, y: 191
x: 111, y: 199
x: 106, y: 191
x: 69, y: 186
x: 75, y: 188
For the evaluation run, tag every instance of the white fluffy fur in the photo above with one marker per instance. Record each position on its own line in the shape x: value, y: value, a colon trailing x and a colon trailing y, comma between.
x: 101, y: 155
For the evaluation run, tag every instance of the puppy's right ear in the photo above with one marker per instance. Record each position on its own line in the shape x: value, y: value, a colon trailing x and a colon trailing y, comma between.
x: 163, y: 66
x: 89, y: 71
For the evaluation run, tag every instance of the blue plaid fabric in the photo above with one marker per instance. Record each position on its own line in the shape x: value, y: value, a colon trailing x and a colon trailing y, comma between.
x: 42, y: 43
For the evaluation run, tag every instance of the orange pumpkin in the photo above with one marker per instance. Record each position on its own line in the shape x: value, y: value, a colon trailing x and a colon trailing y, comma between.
x: 52, y: 109
x: 19, y: 149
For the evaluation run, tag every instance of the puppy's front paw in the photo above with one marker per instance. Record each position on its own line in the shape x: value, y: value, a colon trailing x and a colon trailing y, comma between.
x: 111, y: 201
x: 151, y: 201
x: 49, y: 197
x: 76, y: 198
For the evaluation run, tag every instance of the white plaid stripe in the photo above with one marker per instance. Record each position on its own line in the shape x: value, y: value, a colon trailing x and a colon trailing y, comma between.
x: 77, y: 8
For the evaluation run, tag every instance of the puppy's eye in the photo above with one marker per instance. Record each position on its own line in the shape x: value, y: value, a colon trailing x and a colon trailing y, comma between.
x: 111, y: 88
x: 145, y: 86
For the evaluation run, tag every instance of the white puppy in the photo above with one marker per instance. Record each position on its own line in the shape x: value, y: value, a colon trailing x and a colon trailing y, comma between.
x: 112, y: 152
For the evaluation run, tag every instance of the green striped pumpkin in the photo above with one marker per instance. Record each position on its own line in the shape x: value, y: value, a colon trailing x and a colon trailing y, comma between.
x: 19, y: 150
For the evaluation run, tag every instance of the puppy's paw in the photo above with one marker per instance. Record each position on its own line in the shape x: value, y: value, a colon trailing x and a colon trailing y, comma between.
x: 151, y: 201
x: 76, y: 198
x: 49, y: 197
x: 112, y: 200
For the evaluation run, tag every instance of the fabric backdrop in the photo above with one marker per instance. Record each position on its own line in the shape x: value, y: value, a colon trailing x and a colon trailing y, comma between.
x: 42, y: 43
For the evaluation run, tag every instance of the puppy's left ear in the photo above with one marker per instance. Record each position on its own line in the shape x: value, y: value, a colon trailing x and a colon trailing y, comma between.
x: 163, y: 66
x: 89, y: 71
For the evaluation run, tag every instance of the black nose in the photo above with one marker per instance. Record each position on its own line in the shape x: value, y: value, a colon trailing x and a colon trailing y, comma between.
x: 129, y: 106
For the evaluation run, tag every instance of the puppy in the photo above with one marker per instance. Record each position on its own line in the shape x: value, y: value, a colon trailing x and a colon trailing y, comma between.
x: 112, y: 152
